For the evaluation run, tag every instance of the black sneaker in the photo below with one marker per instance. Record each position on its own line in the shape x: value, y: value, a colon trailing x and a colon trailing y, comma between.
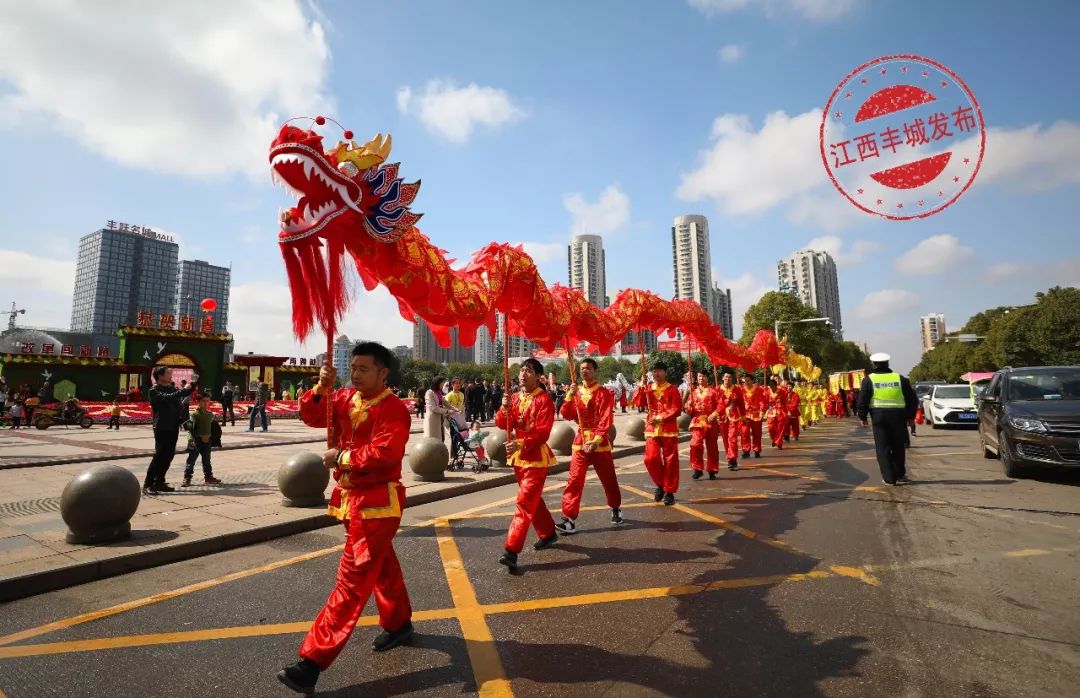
x: 712, y: 475
x: 733, y: 464
x: 387, y: 640
x: 163, y: 487
x: 787, y: 438
x: 616, y: 516
x: 658, y: 495
x: 510, y: 560
x: 148, y: 489
x: 300, y: 677
x: 697, y: 475
x: 669, y: 499
x: 186, y: 482
x: 903, y: 480
x: 757, y: 454
x: 546, y: 542
x: 566, y: 527
x: 746, y: 454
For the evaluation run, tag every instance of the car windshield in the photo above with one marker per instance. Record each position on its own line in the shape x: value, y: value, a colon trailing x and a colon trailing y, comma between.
x: 1063, y: 385
x: 953, y: 392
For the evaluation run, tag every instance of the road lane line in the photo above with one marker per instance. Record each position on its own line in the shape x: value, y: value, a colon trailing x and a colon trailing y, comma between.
x: 856, y: 573
x: 487, y: 668
x: 723, y: 523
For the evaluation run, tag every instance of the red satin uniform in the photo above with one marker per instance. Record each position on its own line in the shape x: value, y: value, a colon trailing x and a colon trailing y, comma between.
x: 777, y: 415
x: 661, y: 433
x: 756, y: 402
x: 704, y: 432
x: 531, y: 417
x: 371, y: 434
x: 793, y: 403
x: 733, y: 408
x: 593, y: 407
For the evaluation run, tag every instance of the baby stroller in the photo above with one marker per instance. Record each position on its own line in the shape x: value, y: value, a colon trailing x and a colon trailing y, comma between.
x: 464, y: 451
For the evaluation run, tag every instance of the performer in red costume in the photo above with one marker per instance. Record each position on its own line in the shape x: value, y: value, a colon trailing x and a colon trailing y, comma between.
x: 777, y: 414
x: 701, y: 406
x: 593, y: 408
x: 530, y: 413
x: 794, y: 401
x: 756, y: 402
x: 730, y: 399
x: 372, y: 427
x: 663, y: 403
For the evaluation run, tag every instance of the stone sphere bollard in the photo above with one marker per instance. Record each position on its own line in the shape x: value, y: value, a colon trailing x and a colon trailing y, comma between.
x: 635, y: 429
x: 561, y: 438
x: 98, y: 503
x: 303, y: 479
x: 684, y: 422
x: 428, y: 459
x: 495, y: 447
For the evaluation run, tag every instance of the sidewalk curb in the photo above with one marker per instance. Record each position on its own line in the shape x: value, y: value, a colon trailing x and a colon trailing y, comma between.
x: 72, y: 575
x: 148, y: 453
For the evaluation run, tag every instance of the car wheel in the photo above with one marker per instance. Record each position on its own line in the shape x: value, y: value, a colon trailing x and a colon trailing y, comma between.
x: 86, y: 422
x: 1008, y: 462
x: 43, y: 422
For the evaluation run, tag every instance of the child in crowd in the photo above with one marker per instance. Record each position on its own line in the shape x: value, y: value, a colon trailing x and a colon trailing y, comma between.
x: 17, y: 411
x: 199, y: 443
x: 475, y: 440
x: 114, y: 415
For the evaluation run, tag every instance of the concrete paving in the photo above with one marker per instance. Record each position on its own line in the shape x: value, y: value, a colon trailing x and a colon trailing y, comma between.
x: 192, y: 521
x: 800, y: 574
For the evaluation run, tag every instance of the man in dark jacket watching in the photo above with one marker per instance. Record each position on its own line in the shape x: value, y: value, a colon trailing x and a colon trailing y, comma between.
x: 167, y: 405
x: 889, y: 400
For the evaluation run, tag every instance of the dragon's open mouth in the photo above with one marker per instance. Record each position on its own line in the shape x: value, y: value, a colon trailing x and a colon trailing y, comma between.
x: 320, y: 194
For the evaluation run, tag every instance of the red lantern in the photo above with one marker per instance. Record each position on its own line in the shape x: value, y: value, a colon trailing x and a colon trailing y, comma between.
x: 208, y: 304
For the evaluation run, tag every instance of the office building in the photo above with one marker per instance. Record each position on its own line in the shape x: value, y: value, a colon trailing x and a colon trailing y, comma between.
x: 197, y: 280
x: 811, y: 277
x: 488, y: 349
x: 585, y: 268
x: 638, y: 342
x: 120, y: 273
x: 721, y: 310
x: 933, y: 330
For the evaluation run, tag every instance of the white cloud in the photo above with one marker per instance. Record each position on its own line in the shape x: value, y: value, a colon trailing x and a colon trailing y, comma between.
x: 934, y: 255
x: 747, y: 171
x: 544, y: 252
x: 820, y: 10
x: 730, y: 53
x: 260, y: 320
x: 856, y: 253
x: 453, y: 112
x: 606, y: 215
x: 1033, y: 157
x: 1004, y: 270
x: 885, y: 303
x: 1038, y: 276
x: 21, y: 272
x: 190, y: 88
x: 746, y: 290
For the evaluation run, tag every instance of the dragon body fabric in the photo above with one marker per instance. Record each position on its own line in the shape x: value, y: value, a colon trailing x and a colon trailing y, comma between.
x: 351, y: 204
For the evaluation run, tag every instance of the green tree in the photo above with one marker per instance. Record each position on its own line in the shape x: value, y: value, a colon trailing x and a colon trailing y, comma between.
x: 807, y: 338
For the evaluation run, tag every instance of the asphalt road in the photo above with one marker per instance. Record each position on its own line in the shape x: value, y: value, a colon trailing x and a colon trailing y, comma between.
x: 798, y: 575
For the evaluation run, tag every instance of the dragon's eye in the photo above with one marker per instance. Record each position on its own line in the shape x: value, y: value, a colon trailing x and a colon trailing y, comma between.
x: 348, y: 169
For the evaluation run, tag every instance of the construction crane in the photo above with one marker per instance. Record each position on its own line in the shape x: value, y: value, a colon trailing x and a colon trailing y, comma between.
x: 15, y: 312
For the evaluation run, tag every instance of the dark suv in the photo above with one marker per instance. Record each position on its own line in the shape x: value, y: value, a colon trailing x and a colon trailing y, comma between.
x: 1030, y: 417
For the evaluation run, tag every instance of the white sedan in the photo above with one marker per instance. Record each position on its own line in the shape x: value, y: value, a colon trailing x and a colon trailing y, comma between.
x: 950, y: 405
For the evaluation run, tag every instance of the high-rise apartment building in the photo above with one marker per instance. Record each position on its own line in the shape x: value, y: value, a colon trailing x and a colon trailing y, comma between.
x: 933, y: 330
x: 691, y: 259
x: 425, y: 346
x: 196, y: 280
x: 488, y: 348
x: 118, y: 274
x: 585, y: 268
x: 720, y: 311
x: 811, y: 277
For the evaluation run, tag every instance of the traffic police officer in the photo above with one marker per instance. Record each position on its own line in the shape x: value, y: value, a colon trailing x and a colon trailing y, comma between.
x: 889, y: 400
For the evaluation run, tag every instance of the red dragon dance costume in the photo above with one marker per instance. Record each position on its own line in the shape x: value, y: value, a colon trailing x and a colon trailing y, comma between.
x: 704, y: 429
x: 663, y: 404
x: 732, y: 406
x: 531, y: 418
x: 756, y: 402
x: 593, y: 407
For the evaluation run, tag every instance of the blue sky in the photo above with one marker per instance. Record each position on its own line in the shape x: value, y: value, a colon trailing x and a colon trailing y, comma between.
x: 528, y: 122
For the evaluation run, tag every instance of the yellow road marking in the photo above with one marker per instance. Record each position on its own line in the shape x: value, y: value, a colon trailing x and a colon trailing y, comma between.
x: 487, y: 667
x: 722, y: 523
x: 856, y: 573
x: 1028, y: 552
